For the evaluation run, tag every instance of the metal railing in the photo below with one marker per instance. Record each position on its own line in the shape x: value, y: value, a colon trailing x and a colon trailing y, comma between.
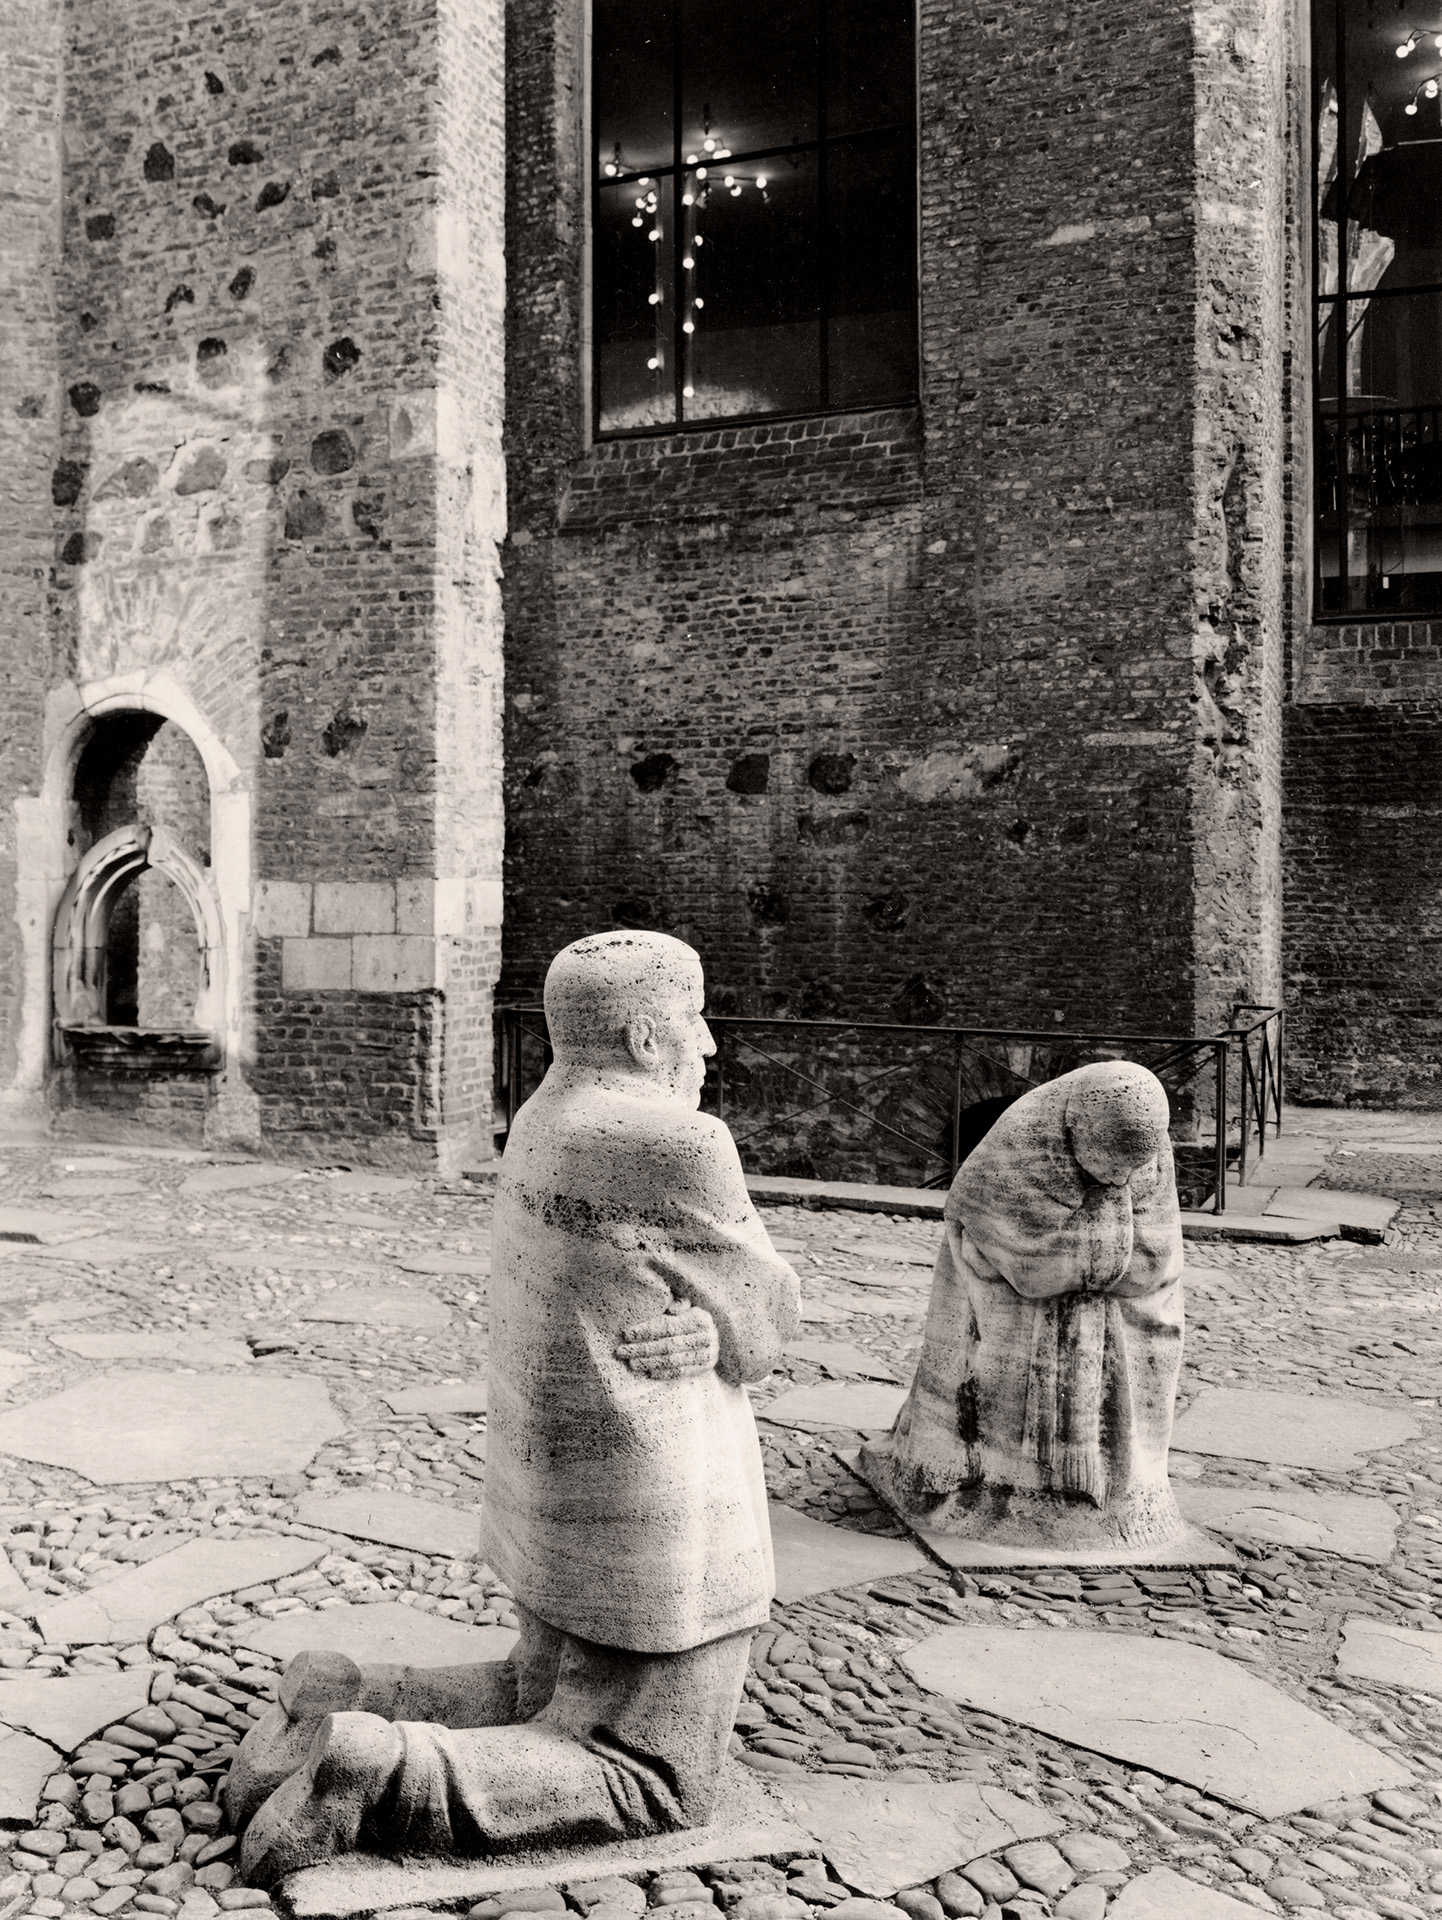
x: 901, y: 1104
x: 1259, y: 1045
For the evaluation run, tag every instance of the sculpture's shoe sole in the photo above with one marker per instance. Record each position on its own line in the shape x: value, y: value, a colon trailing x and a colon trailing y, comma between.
x: 313, y: 1685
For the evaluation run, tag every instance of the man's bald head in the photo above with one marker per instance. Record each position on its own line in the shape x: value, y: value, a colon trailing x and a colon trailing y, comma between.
x: 601, y: 990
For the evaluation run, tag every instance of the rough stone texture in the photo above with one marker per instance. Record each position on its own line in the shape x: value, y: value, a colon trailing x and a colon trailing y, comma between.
x: 123, y: 1427
x: 883, y: 1835
x: 380, y: 1307
x: 1181, y: 1711
x: 471, y: 1398
x: 1057, y: 1300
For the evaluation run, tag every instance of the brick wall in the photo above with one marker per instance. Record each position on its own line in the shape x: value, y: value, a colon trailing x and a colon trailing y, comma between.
x: 941, y: 713
x: 270, y: 433
x: 1364, y: 903
x: 31, y: 89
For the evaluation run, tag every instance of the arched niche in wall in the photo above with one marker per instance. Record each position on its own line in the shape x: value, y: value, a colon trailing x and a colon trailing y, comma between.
x: 138, y: 943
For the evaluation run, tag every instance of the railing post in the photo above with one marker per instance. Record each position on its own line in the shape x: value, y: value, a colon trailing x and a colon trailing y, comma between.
x: 955, y: 1107
x: 1281, y: 1032
x: 1219, y: 1203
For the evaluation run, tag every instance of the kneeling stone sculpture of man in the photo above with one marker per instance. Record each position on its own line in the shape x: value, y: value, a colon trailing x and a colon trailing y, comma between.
x: 634, y: 1290
x: 1041, y: 1411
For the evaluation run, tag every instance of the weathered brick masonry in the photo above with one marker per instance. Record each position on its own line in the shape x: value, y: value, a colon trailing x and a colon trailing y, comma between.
x: 969, y: 712
x: 251, y: 440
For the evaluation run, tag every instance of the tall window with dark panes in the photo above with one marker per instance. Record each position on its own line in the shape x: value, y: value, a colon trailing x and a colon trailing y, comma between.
x: 754, y: 224
x: 1377, y: 265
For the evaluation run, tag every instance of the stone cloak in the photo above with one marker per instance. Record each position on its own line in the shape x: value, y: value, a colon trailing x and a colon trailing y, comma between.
x: 626, y: 1510
x: 1052, y: 1349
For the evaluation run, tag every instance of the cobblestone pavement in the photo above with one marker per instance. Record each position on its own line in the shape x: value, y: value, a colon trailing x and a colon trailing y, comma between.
x: 130, y: 1821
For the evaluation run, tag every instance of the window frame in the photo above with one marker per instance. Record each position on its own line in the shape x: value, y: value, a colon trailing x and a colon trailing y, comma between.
x: 1338, y: 304
x: 675, y: 171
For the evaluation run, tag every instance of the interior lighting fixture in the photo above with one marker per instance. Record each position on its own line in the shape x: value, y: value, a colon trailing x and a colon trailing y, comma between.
x: 1407, y: 45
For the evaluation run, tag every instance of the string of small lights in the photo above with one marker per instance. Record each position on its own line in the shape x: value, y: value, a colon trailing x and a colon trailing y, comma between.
x: 711, y: 155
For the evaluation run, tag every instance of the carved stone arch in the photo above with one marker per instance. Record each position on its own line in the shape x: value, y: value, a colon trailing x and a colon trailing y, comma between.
x: 82, y: 924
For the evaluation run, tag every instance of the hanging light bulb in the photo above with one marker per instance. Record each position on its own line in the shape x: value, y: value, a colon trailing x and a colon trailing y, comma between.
x: 654, y: 234
x: 688, y: 199
x: 653, y: 363
x: 654, y: 299
x: 688, y: 263
x: 688, y: 326
x: 761, y: 179
x: 1411, y: 107
x: 709, y: 145
x: 1408, y: 44
x: 730, y: 180
x: 700, y: 173
x: 691, y: 159
x: 1430, y: 90
x: 638, y: 221
x: 698, y: 303
x: 688, y: 391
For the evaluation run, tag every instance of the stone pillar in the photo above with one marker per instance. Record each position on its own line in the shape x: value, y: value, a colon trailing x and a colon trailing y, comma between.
x: 31, y: 101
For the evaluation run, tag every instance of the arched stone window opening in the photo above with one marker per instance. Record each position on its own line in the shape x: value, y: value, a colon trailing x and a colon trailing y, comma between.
x: 138, y: 946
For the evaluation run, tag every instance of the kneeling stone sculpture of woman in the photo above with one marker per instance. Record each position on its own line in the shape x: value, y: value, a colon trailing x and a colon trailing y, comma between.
x: 1041, y: 1411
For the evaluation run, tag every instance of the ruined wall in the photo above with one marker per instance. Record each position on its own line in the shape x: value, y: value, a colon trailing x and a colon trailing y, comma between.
x: 905, y: 713
x: 263, y: 492
x: 1364, y: 903
x: 31, y: 108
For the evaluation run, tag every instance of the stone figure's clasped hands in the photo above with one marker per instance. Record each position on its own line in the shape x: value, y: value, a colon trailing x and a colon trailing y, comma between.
x: 677, y: 1345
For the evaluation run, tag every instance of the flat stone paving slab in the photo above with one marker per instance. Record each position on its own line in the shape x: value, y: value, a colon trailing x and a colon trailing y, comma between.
x: 386, y: 1631
x: 1164, y: 1895
x: 476, y: 1264
x: 842, y: 1358
x: 1192, y: 1548
x: 60, y: 1313
x: 67, y: 1711
x: 25, y: 1765
x: 227, y: 1179
x: 864, y: 1406
x: 883, y: 1835
x: 1358, y: 1526
x: 360, y: 1181
x: 1368, y: 1210
x: 747, y: 1822
x: 190, y: 1349
x: 1183, y: 1712
x: 125, y: 1428
x: 107, y: 1250
x: 1262, y: 1231
x: 1392, y: 1655
x: 127, y: 1608
x: 471, y: 1397
x: 1289, y: 1429
x: 899, y: 1253
x: 812, y: 1557
x: 395, y: 1520
x: 50, y: 1225
x: 409, y: 1307
x: 88, y: 1187
x: 289, y: 1259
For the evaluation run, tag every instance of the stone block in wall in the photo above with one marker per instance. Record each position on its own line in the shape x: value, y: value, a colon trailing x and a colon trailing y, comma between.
x: 282, y: 909
x: 308, y: 965
x: 393, y: 963
x: 355, y: 906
